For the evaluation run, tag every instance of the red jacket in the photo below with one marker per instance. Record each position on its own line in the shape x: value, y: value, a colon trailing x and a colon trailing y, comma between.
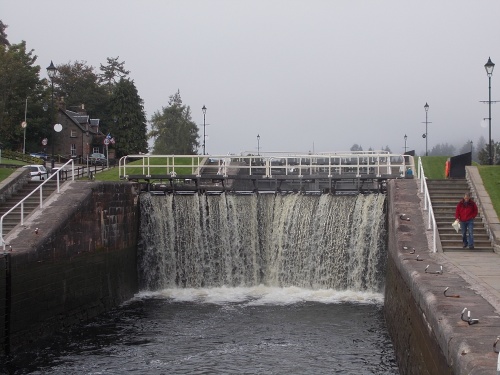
x: 466, y: 210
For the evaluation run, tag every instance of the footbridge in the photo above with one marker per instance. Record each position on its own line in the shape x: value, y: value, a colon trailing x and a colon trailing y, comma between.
x: 336, y: 172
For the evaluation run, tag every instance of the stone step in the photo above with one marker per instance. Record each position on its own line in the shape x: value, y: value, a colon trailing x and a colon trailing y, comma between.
x: 475, y: 250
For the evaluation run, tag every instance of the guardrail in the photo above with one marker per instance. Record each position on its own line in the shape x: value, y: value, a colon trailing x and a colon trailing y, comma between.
x: 327, y: 165
x: 431, y: 220
x: 53, y: 176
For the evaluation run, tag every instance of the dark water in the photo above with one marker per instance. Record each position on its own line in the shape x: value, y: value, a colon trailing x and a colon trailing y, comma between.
x: 224, y: 331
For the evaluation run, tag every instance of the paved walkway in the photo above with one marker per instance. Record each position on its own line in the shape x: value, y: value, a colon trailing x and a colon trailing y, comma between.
x: 481, y: 269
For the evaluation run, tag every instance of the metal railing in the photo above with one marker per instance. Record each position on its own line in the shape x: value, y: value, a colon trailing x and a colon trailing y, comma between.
x: 328, y: 165
x: 53, y: 176
x: 431, y: 220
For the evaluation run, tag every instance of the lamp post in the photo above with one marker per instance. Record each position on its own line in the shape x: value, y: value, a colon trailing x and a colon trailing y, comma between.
x: 489, y: 71
x: 52, y: 71
x: 425, y: 135
x: 204, y: 109
x: 405, y: 137
x: 258, y: 145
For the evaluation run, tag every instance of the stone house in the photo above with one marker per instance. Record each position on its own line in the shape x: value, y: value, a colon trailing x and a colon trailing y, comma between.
x: 79, y: 137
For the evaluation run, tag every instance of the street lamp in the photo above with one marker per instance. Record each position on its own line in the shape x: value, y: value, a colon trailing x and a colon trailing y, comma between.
x: 425, y: 135
x: 489, y: 70
x: 204, y: 109
x: 258, y: 145
x: 52, y: 71
x: 405, y: 137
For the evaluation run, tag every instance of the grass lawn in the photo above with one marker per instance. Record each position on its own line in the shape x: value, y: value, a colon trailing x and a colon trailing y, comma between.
x: 157, y: 165
x: 434, y: 166
x: 490, y: 174
x: 434, y: 169
x: 5, y: 172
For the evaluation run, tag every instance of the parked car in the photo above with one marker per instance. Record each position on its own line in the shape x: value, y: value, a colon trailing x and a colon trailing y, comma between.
x: 38, y: 172
x: 41, y: 155
x: 98, y: 159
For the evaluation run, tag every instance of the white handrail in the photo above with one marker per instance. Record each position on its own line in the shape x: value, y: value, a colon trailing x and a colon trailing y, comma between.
x: 40, y: 188
x: 431, y: 220
x: 376, y: 164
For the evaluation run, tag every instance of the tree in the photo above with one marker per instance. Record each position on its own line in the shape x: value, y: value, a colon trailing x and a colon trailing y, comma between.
x: 19, y: 81
x: 3, y: 36
x: 481, y: 142
x: 173, y: 130
x: 483, y: 154
x: 129, y: 124
x: 467, y: 147
x: 112, y: 73
x: 77, y: 83
x: 442, y: 149
x: 356, y: 147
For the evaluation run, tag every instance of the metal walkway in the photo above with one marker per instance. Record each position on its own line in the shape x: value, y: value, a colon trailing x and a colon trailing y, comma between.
x: 332, y: 172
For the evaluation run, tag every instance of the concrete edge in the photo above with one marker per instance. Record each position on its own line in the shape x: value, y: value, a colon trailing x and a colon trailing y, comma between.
x: 467, y: 348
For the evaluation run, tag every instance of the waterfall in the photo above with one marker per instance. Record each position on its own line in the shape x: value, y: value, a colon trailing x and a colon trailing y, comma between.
x: 307, y: 241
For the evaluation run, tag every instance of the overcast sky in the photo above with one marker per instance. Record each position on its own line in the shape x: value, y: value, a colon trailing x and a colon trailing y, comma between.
x: 304, y: 75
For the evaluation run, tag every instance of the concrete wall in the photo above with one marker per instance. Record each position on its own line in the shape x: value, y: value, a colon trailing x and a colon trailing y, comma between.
x: 72, y: 261
x: 14, y: 183
x: 416, y: 347
x: 426, y: 328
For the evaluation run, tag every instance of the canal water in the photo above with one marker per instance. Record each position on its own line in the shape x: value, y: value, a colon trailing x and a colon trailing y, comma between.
x: 258, y: 330
x: 253, y: 284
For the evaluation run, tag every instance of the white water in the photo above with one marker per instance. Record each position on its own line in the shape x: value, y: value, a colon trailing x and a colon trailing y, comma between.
x: 323, y: 246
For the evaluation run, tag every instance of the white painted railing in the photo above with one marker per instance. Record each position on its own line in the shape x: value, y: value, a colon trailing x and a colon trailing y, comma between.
x: 54, y: 176
x: 356, y: 164
x: 431, y: 220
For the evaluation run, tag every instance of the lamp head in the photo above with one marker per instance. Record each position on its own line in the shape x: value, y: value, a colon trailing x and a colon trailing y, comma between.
x: 204, y: 109
x: 489, y: 67
x: 406, y: 137
x: 426, y: 107
x: 51, y: 70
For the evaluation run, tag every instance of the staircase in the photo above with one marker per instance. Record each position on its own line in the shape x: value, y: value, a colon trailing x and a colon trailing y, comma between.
x: 33, y: 202
x: 445, y: 195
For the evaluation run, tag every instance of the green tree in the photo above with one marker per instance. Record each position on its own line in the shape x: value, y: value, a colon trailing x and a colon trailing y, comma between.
x: 112, y: 73
x: 483, y: 154
x: 129, y: 124
x: 77, y: 84
x: 173, y: 130
x: 3, y: 36
x: 19, y: 82
x: 356, y: 147
x: 442, y: 149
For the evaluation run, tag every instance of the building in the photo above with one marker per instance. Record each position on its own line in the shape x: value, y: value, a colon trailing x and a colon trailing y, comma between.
x: 80, y: 136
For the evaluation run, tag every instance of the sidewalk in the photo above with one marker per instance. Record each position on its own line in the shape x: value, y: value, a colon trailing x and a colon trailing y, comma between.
x: 482, y: 270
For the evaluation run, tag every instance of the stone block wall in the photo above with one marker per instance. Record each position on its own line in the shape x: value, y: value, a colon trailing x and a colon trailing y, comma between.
x: 73, y: 260
x: 413, y: 335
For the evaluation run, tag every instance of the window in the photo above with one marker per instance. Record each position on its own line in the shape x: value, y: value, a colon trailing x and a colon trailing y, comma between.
x: 73, y: 134
x: 73, y: 149
x: 95, y: 150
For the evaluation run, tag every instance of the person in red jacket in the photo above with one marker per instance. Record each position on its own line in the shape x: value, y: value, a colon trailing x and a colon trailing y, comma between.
x: 466, y: 212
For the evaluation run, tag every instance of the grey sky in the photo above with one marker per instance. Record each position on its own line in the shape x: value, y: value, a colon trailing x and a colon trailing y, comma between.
x: 302, y: 74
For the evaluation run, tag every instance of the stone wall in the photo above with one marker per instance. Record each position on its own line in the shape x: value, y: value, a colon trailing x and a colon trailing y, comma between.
x: 426, y: 327
x: 14, y: 183
x: 71, y: 261
x: 415, y: 343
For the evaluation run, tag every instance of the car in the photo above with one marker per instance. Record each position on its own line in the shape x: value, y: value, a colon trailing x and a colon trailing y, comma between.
x: 98, y: 159
x: 40, y: 155
x: 37, y: 172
